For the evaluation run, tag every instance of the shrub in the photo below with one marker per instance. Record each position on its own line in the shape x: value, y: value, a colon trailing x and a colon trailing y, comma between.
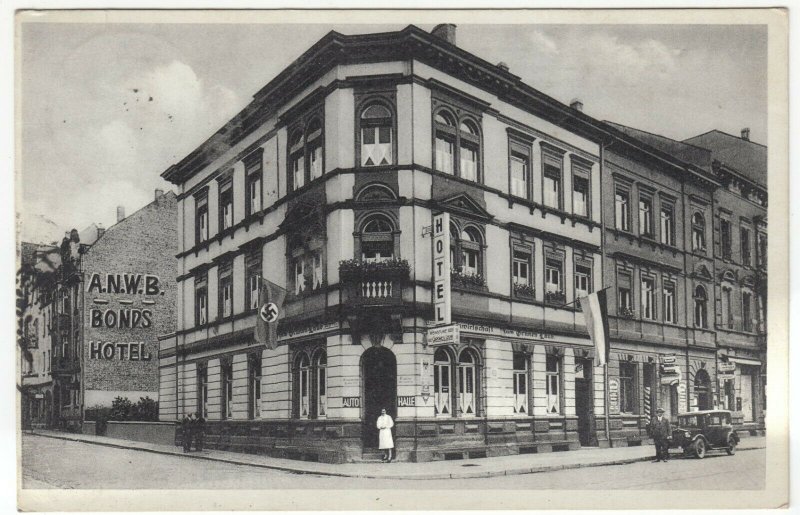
x: 145, y: 410
x: 121, y: 408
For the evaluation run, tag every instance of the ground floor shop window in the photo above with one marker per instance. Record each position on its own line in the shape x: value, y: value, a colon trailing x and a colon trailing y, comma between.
x: 627, y: 387
x: 202, y: 389
x: 321, y: 365
x: 441, y: 383
x: 553, y: 384
x: 227, y: 390
x: 463, y: 373
x: 254, y: 386
x: 310, y: 384
x: 520, y: 383
x: 744, y: 400
x: 467, y: 384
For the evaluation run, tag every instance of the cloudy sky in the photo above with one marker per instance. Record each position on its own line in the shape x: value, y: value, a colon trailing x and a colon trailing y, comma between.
x: 107, y: 107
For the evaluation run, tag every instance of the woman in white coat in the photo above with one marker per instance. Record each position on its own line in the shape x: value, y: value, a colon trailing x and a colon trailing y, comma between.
x: 385, y: 442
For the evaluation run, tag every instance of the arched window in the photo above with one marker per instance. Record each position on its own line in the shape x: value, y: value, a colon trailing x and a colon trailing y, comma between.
x: 700, y: 307
x: 702, y: 389
x: 314, y: 148
x: 376, y: 135
x: 471, y: 251
x: 467, y: 384
x: 457, y: 146
x: 302, y: 386
x: 297, y: 168
x: 377, y: 239
x: 441, y: 383
x: 520, y: 362
x: 698, y: 232
x: 321, y: 383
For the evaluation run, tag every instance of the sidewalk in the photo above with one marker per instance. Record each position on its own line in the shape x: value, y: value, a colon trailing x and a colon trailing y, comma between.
x: 456, y: 469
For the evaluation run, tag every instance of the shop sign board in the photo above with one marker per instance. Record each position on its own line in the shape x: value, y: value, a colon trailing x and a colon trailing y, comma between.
x: 406, y: 401
x: 613, y: 395
x: 444, y: 335
x: 667, y: 359
x: 441, y: 269
x: 726, y: 367
x: 351, y: 402
x: 681, y: 396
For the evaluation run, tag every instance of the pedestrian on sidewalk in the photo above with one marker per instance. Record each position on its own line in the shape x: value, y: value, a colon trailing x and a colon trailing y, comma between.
x: 188, y: 425
x: 199, y: 431
x: 661, y: 433
x: 385, y: 442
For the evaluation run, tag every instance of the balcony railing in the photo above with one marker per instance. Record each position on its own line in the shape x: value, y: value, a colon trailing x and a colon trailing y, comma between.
x: 373, y: 283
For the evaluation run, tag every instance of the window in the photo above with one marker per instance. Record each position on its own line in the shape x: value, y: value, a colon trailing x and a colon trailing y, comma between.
x: 225, y: 289
x: 253, y: 172
x: 700, y: 307
x: 747, y: 322
x: 297, y: 161
x: 627, y: 387
x: 669, y: 302
x: 252, y: 278
x: 521, y: 267
x: 227, y: 389
x: 316, y: 271
x: 583, y: 281
x: 254, y: 386
x: 306, y: 260
x: 303, y: 386
x: 625, y: 298
x: 645, y: 217
x: 462, y: 138
x: 698, y: 232
x: 622, y: 210
x: 744, y: 242
x: 727, y: 314
x: 553, y: 272
x: 667, y: 225
x: 580, y: 195
x: 299, y: 275
x: 225, y: 204
x: 376, y: 135
x: 441, y: 383
x: 321, y: 386
x: 553, y: 384
x: 552, y: 166
x: 648, y: 298
x: 519, y: 170
x: 471, y: 252
x: 725, y: 238
x: 377, y: 239
x: 201, y: 300
x: 467, y: 387
x: 520, y: 362
x: 202, y: 389
x: 762, y: 250
x: 201, y: 218
x: 314, y: 148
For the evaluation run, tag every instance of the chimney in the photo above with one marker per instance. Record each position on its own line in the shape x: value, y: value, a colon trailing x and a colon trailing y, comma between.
x: 746, y: 134
x: 503, y: 66
x: 576, y: 104
x: 445, y: 31
x: 159, y: 192
x: 100, y: 231
x: 120, y: 213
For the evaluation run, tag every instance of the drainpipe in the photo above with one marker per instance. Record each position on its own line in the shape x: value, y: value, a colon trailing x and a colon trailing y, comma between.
x: 602, y: 281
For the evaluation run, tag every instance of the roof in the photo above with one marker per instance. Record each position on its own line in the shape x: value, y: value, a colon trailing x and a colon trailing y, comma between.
x: 741, y: 155
x: 686, y: 152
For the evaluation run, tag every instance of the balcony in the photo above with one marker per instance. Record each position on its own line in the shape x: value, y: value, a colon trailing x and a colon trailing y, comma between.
x: 374, y: 283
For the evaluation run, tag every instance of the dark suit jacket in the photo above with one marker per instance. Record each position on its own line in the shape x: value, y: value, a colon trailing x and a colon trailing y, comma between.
x: 660, y: 429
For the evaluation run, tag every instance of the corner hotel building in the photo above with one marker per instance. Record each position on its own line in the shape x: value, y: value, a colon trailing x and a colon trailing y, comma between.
x: 327, y: 183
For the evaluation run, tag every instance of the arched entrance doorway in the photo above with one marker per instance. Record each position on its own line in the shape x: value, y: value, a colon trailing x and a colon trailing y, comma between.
x: 379, y: 390
x: 702, y: 389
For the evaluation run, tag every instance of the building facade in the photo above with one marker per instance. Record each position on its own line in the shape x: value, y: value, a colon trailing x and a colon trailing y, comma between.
x: 391, y: 182
x: 115, y: 297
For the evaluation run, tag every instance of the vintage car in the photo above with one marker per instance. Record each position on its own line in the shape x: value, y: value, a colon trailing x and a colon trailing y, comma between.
x: 700, y: 431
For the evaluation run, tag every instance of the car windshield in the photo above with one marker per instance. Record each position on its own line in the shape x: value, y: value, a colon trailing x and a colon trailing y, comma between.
x: 688, y: 421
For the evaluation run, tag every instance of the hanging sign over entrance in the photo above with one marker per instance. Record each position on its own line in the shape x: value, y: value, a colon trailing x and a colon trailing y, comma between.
x: 441, y: 269
x: 613, y: 395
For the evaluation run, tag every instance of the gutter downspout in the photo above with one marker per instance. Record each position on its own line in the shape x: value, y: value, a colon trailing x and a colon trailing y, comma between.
x: 602, y: 281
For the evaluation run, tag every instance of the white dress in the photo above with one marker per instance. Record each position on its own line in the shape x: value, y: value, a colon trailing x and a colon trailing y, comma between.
x: 385, y: 425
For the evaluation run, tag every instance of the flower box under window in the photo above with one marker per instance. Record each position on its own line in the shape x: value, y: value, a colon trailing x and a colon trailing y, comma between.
x: 467, y: 280
x: 525, y: 291
x: 555, y: 297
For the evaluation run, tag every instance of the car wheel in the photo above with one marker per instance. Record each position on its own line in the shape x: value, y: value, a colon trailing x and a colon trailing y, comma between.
x: 700, y: 449
x: 731, y: 449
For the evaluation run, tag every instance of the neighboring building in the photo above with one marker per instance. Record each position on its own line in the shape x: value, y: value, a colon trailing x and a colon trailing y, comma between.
x: 116, y: 296
x: 740, y: 252
x: 37, y: 276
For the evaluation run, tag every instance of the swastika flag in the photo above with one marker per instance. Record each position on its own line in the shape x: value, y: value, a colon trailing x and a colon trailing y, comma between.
x: 270, y: 308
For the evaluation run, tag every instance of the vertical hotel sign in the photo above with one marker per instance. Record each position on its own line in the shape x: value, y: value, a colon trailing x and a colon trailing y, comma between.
x: 441, y: 269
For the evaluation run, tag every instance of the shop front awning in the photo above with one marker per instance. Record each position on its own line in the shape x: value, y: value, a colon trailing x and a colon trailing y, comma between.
x: 745, y: 361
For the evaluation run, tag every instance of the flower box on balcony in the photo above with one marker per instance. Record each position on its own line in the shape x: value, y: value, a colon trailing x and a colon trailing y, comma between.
x: 356, y: 270
x: 524, y: 291
x: 627, y: 313
x: 467, y: 281
x: 555, y: 297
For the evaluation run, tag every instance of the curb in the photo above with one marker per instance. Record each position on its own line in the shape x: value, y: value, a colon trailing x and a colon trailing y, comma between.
x: 293, y: 470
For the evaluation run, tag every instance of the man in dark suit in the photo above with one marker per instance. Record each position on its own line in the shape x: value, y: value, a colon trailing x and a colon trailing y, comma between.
x: 661, y: 433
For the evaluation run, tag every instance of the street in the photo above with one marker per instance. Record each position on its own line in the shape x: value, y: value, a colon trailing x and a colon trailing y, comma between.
x: 52, y: 463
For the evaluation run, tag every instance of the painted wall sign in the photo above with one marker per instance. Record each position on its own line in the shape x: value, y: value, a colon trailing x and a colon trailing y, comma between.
x: 121, y: 318
x: 308, y: 330
x: 613, y: 395
x: 443, y: 335
x: 518, y: 334
x: 681, y: 397
x: 132, y: 284
x: 127, y: 351
x: 351, y: 381
x: 406, y: 401
x: 405, y: 380
x: 441, y: 269
x: 351, y: 402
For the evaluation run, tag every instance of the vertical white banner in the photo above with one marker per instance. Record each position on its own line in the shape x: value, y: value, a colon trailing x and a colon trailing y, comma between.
x: 441, y: 269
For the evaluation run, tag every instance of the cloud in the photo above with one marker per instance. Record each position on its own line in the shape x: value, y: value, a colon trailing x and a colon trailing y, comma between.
x: 543, y: 42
